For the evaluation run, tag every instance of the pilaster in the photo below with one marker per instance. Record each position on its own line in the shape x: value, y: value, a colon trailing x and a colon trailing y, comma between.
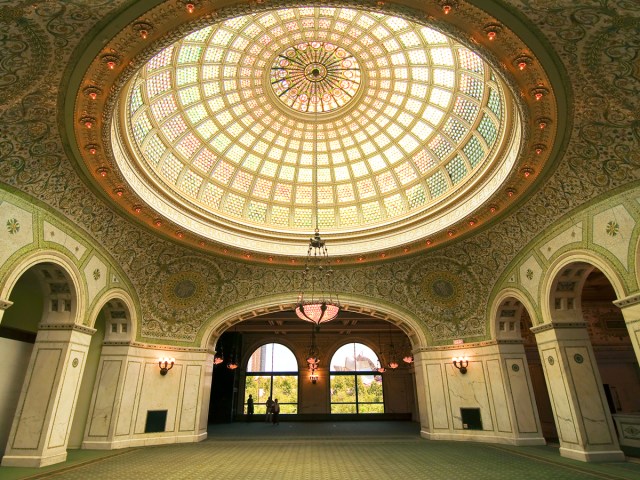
x: 583, y: 421
x: 41, y: 426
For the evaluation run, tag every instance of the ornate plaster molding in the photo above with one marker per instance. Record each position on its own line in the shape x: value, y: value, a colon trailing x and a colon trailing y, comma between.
x: 628, y: 301
x: 558, y: 325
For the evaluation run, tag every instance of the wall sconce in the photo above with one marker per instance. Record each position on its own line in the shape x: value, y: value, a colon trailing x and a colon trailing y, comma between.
x: 313, y: 376
x: 461, y: 363
x: 166, y: 364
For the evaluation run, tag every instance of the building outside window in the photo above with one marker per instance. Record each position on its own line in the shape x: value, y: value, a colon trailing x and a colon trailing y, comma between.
x: 356, y: 386
x: 272, y: 371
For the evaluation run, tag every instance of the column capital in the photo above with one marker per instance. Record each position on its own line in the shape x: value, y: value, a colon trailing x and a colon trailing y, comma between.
x: 67, y: 326
x: 4, y: 304
x: 557, y: 325
x: 633, y: 299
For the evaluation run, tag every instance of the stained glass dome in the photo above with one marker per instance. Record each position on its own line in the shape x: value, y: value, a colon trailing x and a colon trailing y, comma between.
x: 402, y: 119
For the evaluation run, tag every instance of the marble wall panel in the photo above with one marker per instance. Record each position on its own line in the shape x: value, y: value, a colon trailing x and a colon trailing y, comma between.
x: 498, y: 394
x: 559, y: 395
x: 105, y: 398
x: 39, y: 393
x: 158, y: 392
x: 128, y: 399
x: 67, y: 399
x: 437, y: 399
x: 190, y: 398
x: 522, y: 395
x: 588, y: 395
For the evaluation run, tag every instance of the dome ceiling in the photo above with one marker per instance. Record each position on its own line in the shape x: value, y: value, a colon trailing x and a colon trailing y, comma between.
x: 219, y: 132
x: 228, y: 118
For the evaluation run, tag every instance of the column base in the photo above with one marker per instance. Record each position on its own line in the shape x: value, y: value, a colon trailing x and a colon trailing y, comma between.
x: 32, y: 461
x: 584, y: 456
x: 480, y: 438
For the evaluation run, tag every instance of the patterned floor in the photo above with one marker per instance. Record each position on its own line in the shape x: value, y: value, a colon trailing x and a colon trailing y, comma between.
x: 318, y: 451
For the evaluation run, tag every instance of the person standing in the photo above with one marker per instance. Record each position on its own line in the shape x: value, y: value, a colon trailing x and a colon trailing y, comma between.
x: 276, y: 412
x: 250, y: 408
x: 269, y: 411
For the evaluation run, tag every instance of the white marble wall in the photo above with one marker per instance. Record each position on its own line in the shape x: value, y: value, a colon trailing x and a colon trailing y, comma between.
x: 16, y: 356
x: 129, y: 385
x: 585, y: 427
x: 497, y: 382
x: 630, y: 307
x: 41, y: 425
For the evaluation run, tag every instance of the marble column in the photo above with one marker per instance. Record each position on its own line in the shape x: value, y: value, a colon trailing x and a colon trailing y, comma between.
x: 630, y: 307
x: 496, y: 386
x: 583, y: 421
x: 40, y: 428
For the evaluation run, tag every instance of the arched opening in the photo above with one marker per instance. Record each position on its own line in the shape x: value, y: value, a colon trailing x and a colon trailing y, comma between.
x: 44, y: 293
x: 306, y: 394
x: 272, y: 373
x: 583, y: 344
x: 113, y: 326
x: 514, y: 322
x: 614, y: 353
x: 356, y: 385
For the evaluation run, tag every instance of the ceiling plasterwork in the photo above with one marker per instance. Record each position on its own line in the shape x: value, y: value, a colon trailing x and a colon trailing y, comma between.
x: 590, y: 44
x: 216, y: 159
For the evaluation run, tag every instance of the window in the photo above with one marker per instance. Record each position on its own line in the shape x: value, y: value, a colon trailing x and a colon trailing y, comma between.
x: 356, y: 386
x: 272, y: 371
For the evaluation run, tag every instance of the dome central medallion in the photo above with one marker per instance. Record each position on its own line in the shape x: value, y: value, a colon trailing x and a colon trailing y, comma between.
x: 315, y: 77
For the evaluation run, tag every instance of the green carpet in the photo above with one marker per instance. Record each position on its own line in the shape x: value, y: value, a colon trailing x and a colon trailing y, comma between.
x: 351, y: 450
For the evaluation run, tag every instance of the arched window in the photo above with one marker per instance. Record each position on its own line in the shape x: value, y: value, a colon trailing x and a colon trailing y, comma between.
x: 272, y: 371
x: 356, y: 386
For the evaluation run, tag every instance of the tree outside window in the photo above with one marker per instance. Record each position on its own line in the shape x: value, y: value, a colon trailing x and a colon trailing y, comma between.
x: 356, y: 386
x: 272, y: 371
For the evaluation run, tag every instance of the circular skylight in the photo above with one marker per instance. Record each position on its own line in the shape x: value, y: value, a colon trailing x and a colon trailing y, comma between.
x: 226, y: 118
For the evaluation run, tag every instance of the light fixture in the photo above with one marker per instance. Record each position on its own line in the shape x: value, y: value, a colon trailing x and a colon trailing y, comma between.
x: 232, y: 365
x: 393, y: 355
x: 166, y: 364
x: 218, y: 358
x: 313, y: 376
x: 312, y: 357
x: 461, y: 363
x: 317, y: 303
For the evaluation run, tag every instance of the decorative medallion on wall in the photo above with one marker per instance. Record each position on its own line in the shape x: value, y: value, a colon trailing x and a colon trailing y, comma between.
x: 180, y: 297
x: 613, y: 228
x: 515, y: 368
x: 96, y: 274
x: 578, y: 358
x: 75, y: 362
x: 550, y: 360
x: 446, y: 293
x: 13, y: 226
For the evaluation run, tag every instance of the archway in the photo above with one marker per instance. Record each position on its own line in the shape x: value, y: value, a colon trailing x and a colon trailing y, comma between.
x: 573, y: 375
x: 113, y: 326
x: 513, y: 323
x: 244, y: 338
x: 44, y: 296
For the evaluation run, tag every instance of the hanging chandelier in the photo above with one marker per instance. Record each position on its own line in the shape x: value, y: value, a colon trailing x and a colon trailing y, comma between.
x: 317, y: 303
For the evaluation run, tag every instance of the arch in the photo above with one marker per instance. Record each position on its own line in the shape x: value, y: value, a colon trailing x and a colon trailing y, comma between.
x: 252, y: 348
x: 498, y: 302
x: 402, y: 318
x: 71, y: 271
x: 349, y: 341
x: 555, y: 272
x: 131, y: 313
